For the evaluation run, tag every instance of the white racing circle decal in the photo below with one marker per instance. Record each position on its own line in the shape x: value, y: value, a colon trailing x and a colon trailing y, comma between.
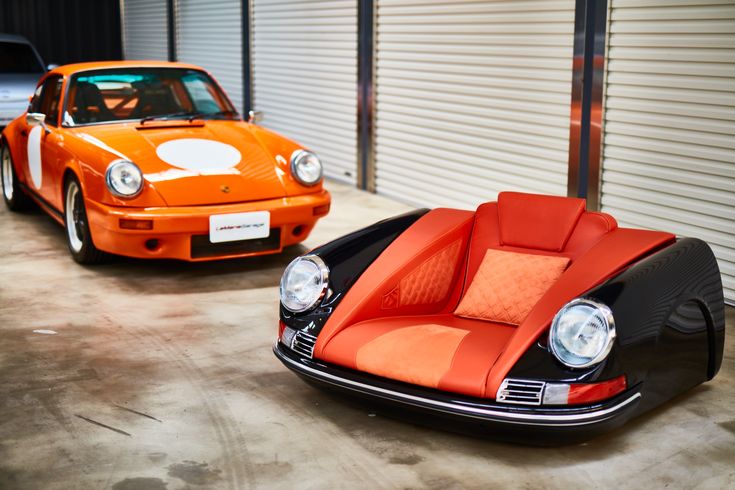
x: 34, y: 156
x: 199, y: 155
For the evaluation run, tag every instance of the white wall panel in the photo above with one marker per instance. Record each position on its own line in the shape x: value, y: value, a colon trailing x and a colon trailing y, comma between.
x: 145, y: 32
x: 473, y: 97
x: 669, y: 121
x: 305, y: 76
x: 209, y: 34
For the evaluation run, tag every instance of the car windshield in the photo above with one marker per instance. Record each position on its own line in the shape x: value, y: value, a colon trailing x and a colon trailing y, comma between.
x: 18, y: 58
x: 125, y: 94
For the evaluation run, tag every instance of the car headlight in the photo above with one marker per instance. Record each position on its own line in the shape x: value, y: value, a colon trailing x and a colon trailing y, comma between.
x: 304, y: 283
x: 124, y: 178
x: 582, y: 333
x: 306, y: 167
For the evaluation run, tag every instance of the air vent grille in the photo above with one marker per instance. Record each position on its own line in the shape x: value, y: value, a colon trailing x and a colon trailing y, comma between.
x: 521, y: 391
x: 303, y: 343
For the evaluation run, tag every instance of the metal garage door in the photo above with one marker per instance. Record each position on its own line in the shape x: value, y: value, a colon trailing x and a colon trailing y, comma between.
x: 669, y: 144
x: 145, y: 32
x: 473, y: 97
x: 305, y: 76
x: 209, y: 34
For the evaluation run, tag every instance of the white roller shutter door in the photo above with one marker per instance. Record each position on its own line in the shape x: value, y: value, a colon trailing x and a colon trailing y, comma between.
x: 145, y: 31
x: 473, y: 97
x: 305, y: 76
x: 669, y: 129
x: 209, y: 34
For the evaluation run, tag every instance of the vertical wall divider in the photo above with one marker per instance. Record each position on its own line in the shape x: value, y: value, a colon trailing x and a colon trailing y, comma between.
x: 366, y: 95
x: 588, y: 76
x: 171, y: 21
x: 247, y: 70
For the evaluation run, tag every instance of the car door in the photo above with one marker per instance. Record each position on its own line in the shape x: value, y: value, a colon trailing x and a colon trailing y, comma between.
x: 42, y: 145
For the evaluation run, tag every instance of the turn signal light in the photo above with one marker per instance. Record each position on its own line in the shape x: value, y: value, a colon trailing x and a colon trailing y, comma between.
x: 321, y: 210
x: 581, y: 393
x: 136, y: 224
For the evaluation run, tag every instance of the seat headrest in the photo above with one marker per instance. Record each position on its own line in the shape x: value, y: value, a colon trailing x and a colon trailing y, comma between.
x: 537, y: 221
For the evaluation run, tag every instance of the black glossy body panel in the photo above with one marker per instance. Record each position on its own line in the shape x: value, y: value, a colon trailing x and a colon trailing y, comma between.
x: 670, y: 323
x: 347, y: 258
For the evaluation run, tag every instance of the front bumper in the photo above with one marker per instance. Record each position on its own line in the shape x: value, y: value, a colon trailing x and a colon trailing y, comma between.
x: 183, y: 232
x: 476, y: 416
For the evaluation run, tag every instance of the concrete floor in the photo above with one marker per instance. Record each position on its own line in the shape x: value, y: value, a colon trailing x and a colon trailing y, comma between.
x: 152, y: 375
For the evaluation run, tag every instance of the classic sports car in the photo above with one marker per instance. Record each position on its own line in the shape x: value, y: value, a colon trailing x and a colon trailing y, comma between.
x: 151, y: 160
x: 530, y: 319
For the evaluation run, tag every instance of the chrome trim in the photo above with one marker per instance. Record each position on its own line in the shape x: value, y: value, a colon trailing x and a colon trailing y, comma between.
x: 295, y: 156
x: 551, y: 420
x: 303, y: 343
x: 323, y: 269
x: 109, y: 183
x: 521, y: 391
x: 611, y: 333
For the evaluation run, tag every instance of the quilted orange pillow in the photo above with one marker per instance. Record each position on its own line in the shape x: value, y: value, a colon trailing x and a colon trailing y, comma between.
x: 508, y: 284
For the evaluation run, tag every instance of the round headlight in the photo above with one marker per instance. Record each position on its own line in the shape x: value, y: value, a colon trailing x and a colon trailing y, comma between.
x: 582, y: 333
x: 304, y: 283
x: 124, y: 178
x: 306, y: 167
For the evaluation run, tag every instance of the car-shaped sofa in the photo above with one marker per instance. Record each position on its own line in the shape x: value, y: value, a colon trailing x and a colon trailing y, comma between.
x: 530, y: 319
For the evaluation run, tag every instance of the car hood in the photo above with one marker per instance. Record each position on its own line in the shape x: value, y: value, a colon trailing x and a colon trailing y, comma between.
x: 198, y: 163
x: 17, y: 87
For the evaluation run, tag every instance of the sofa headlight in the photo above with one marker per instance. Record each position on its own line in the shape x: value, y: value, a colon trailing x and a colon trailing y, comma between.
x: 306, y: 167
x: 304, y: 283
x: 124, y: 178
x: 582, y: 333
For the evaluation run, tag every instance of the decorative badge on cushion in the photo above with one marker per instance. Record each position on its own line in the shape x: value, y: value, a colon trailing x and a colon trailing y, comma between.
x: 529, y: 319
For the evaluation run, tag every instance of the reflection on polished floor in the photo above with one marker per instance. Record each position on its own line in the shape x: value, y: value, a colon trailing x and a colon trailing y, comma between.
x: 152, y: 375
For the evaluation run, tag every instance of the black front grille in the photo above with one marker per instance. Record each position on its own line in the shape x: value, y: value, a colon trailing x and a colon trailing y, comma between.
x: 201, y: 246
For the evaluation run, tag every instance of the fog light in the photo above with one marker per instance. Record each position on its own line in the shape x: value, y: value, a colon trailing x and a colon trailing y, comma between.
x: 136, y: 224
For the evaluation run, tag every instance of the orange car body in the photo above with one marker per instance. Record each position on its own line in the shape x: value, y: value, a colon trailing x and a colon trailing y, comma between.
x: 176, y: 203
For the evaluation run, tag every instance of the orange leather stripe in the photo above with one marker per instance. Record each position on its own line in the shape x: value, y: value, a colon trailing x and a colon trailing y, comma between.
x: 611, y: 254
x: 432, y: 232
x: 420, y: 354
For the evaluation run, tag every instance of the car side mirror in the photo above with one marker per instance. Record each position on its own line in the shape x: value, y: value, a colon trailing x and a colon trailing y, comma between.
x: 255, y: 117
x: 35, y: 119
x: 51, y: 66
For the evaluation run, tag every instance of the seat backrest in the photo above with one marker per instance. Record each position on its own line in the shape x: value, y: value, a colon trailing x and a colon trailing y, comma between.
x: 535, y: 224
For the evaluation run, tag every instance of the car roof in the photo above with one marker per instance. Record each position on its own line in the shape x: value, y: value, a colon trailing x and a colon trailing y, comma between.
x: 13, y: 38
x: 101, y: 65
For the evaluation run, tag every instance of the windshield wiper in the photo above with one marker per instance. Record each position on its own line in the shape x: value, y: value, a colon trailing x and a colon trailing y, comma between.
x: 189, y: 115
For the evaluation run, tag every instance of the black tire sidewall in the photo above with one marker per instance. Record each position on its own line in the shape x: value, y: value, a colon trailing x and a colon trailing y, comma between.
x: 19, y: 201
x: 88, y: 253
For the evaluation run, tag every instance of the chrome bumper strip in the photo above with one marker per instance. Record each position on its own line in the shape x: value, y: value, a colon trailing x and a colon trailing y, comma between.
x: 546, y: 419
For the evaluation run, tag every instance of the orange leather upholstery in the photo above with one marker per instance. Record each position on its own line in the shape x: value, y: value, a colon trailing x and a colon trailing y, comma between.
x: 508, y: 284
x: 418, y: 354
x: 536, y: 221
x: 397, y: 317
x: 399, y: 347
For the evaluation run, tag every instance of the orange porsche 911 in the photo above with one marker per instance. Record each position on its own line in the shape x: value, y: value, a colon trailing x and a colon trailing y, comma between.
x: 151, y: 160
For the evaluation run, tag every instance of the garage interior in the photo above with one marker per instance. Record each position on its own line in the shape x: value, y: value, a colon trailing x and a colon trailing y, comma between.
x: 159, y: 374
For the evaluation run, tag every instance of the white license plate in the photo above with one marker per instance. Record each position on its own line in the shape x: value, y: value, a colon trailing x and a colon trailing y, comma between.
x: 239, y: 226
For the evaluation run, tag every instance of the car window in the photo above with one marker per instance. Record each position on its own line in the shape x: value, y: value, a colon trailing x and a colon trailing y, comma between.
x: 18, y: 58
x: 124, y: 94
x: 46, y: 99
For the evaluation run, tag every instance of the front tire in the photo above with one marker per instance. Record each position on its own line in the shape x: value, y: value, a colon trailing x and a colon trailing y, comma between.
x: 15, y: 198
x: 78, y: 236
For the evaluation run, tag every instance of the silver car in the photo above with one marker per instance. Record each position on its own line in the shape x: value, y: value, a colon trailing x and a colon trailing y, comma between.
x: 20, y: 69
